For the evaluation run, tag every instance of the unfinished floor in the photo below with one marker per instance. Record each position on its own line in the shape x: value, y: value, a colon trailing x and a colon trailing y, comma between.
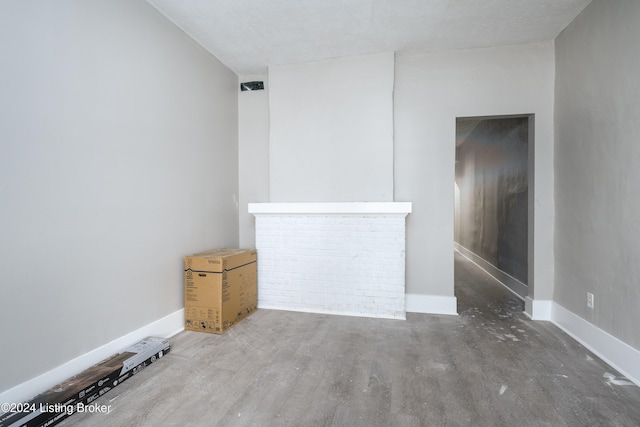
x: 489, y: 366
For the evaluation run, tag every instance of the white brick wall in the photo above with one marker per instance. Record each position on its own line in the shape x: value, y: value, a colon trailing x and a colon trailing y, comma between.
x: 340, y: 264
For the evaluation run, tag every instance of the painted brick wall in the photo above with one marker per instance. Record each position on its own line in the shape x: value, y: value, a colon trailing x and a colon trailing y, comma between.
x: 339, y: 264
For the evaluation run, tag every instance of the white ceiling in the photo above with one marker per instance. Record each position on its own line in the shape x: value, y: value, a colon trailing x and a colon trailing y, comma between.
x: 250, y: 35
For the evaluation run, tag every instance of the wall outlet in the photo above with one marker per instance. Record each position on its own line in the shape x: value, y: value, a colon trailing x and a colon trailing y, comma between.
x: 589, y: 300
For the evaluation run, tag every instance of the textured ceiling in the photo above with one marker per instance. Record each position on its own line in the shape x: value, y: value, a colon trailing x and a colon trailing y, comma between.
x: 250, y: 35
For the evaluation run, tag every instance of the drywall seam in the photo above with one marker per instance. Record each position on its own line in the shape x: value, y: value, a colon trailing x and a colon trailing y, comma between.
x: 618, y: 354
x: 393, y: 132
x: 166, y: 327
x: 514, y: 285
x: 431, y: 304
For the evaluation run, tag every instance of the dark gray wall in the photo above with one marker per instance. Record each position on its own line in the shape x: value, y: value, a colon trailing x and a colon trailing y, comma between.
x: 491, y: 175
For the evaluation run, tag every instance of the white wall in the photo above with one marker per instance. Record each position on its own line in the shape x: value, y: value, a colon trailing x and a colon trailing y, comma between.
x: 253, y: 154
x: 332, y: 130
x: 119, y: 156
x: 597, y: 174
x: 431, y: 91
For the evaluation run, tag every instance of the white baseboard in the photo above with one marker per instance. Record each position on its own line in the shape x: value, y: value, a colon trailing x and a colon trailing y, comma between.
x: 616, y: 353
x: 538, y: 309
x: 166, y: 327
x: 431, y: 304
x: 398, y: 315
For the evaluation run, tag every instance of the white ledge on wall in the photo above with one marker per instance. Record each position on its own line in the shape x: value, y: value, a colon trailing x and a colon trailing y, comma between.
x: 343, y: 208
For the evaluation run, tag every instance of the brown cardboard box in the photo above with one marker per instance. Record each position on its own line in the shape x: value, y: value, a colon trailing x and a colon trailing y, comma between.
x: 220, y: 289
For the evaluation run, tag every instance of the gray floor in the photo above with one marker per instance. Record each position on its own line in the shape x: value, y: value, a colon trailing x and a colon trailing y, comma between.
x: 490, y: 366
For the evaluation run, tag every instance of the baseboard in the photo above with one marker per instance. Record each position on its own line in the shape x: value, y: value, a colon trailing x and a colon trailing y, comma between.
x: 397, y: 315
x: 514, y: 285
x: 619, y: 355
x: 431, y: 304
x: 538, y: 309
x: 166, y: 327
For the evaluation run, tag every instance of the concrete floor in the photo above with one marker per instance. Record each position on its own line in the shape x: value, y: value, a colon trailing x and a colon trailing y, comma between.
x: 489, y: 366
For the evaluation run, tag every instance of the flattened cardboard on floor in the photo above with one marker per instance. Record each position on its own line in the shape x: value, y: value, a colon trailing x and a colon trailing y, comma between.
x: 220, y: 289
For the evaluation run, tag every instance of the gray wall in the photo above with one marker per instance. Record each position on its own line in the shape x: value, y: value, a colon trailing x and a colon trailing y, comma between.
x: 119, y: 156
x: 597, y: 113
x: 491, y: 175
x: 253, y: 154
x: 431, y: 91
x: 331, y: 130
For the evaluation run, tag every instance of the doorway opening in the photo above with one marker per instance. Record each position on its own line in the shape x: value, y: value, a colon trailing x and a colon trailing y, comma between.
x: 493, y: 172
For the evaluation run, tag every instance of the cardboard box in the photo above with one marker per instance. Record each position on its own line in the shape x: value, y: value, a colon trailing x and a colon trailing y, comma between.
x: 78, y: 392
x: 220, y: 289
